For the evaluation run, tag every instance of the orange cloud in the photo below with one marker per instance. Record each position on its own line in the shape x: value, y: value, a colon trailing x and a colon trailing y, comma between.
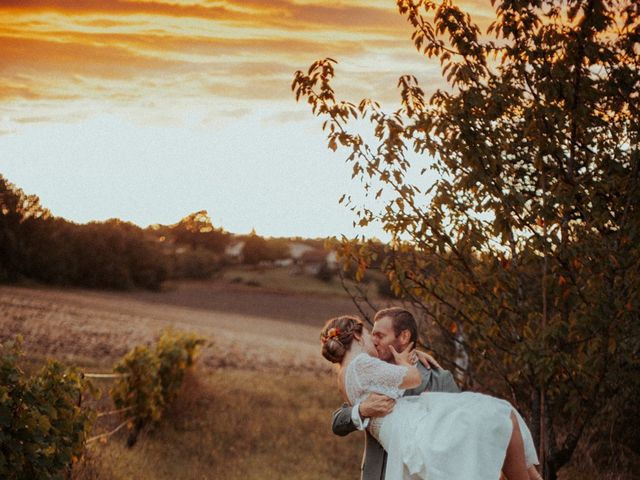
x: 116, y: 7
x: 262, y: 14
x: 141, y: 52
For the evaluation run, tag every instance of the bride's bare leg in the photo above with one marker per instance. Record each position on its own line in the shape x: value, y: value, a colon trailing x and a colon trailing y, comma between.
x: 514, y: 466
x: 533, y: 473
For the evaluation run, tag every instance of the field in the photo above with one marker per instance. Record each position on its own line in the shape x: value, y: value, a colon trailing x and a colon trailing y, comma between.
x: 237, y: 424
x: 258, y: 404
x: 251, y: 327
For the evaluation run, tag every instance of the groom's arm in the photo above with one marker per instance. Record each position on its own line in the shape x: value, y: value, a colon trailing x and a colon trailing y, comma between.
x: 348, y: 419
x: 342, y: 423
x: 442, y: 381
x: 434, y: 380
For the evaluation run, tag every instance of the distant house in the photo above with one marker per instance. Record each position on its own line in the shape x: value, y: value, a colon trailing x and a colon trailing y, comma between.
x: 283, y: 262
x: 332, y: 260
x: 297, y: 250
x: 303, y: 258
x: 310, y: 262
x: 233, y: 251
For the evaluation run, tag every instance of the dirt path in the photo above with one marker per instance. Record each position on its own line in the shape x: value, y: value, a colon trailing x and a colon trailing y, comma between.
x: 248, y: 329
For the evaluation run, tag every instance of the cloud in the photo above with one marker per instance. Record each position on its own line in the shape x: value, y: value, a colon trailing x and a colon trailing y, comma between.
x: 288, y: 116
x: 32, y: 119
x: 235, y: 112
x: 262, y: 14
x: 117, y: 7
x: 137, y: 52
x: 7, y: 126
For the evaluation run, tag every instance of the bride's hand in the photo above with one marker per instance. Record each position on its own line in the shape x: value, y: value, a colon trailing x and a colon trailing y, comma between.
x: 427, y: 360
x: 406, y: 357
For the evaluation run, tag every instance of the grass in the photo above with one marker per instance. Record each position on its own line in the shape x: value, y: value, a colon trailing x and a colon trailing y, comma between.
x: 281, y: 279
x: 236, y: 424
x: 227, y: 423
x: 233, y: 424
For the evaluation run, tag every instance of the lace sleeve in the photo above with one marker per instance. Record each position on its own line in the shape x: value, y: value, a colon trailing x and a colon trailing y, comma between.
x: 369, y: 374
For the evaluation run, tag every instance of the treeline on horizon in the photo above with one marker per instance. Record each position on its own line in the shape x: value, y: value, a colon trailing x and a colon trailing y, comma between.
x: 114, y: 254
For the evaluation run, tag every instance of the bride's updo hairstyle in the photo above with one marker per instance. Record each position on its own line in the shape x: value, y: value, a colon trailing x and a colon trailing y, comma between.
x: 337, y: 335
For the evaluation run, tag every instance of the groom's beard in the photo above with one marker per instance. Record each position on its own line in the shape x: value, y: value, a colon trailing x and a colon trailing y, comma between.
x: 385, y: 354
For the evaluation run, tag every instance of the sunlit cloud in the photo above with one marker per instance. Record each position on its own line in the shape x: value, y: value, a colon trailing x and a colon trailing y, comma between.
x: 170, y: 67
x: 261, y: 14
x: 7, y: 126
x: 137, y: 52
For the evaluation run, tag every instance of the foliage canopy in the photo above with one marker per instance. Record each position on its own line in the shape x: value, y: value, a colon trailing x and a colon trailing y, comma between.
x: 525, y: 249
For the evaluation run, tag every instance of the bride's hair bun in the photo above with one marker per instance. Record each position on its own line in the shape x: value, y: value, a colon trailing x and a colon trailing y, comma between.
x: 336, y: 336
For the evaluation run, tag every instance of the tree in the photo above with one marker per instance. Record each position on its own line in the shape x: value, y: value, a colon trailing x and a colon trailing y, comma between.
x: 17, y: 212
x: 528, y: 239
x: 36, y: 245
x: 255, y: 249
x: 197, y: 230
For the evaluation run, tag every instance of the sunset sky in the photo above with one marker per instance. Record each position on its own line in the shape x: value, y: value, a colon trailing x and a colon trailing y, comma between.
x: 150, y: 110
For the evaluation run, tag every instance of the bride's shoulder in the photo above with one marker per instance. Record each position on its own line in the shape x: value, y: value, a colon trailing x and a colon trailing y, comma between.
x: 363, y: 360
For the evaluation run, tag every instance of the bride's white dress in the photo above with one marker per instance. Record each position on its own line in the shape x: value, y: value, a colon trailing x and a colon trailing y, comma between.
x: 436, y: 436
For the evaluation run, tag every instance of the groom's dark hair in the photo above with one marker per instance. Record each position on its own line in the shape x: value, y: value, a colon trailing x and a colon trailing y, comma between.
x: 401, y: 319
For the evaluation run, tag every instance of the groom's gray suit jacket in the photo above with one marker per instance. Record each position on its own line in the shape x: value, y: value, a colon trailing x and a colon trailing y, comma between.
x: 375, y: 458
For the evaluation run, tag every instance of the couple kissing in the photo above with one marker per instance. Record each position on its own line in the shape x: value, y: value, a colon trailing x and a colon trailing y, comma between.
x: 418, y: 425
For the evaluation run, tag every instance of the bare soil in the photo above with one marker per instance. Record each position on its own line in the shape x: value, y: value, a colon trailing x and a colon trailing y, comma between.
x: 248, y: 327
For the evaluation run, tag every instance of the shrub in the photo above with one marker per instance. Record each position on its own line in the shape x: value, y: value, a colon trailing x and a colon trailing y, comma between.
x: 196, y: 264
x: 176, y: 352
x: 325, y: 273
x: 151, y: 378
x: 139, y: 386
x: 42, y: 428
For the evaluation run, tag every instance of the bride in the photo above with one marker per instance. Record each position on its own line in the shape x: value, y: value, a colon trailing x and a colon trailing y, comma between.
x: 433, y: 436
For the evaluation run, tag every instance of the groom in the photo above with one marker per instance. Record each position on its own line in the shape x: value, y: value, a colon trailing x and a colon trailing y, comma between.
x: 391, y: 327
